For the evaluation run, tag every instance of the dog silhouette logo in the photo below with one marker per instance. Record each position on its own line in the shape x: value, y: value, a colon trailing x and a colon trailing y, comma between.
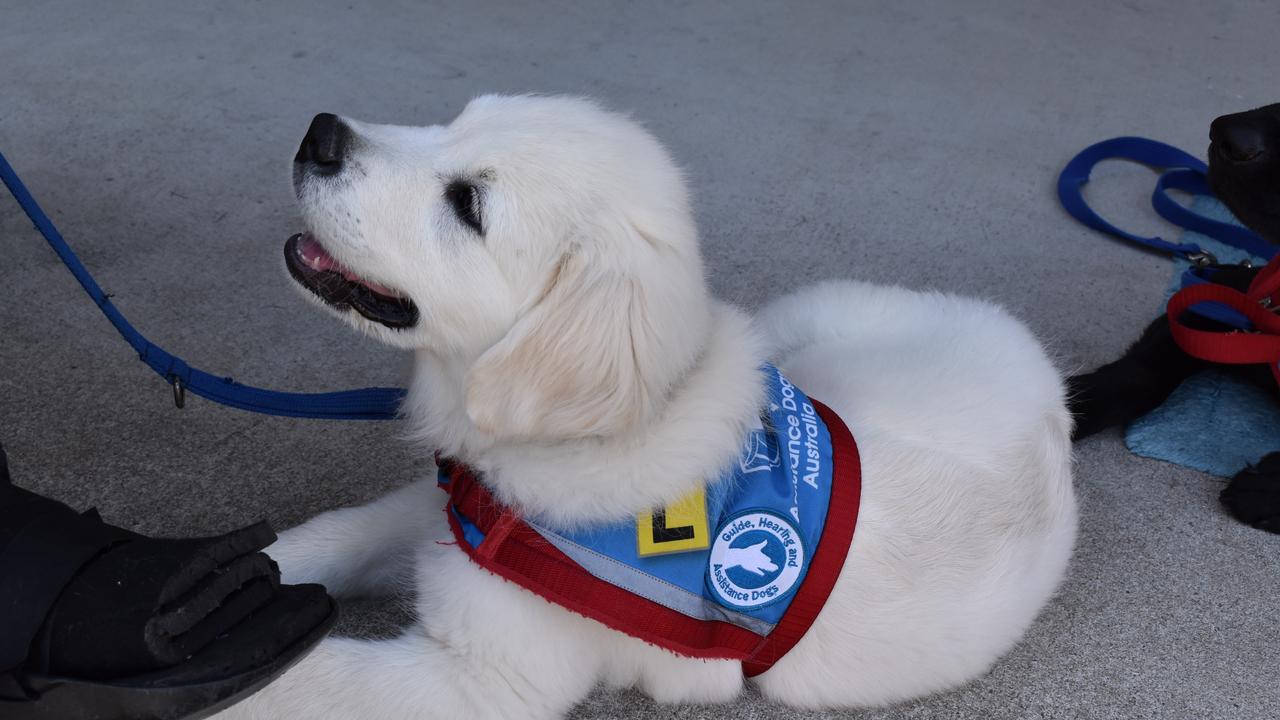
x: 760, y: 452
x: 756, y: 560
x: 750, y: 558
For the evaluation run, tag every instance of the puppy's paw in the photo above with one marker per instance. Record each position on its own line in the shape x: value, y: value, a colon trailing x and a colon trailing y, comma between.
x: 299, y: 559
x: 690, y: 681
x: 1253, y: 495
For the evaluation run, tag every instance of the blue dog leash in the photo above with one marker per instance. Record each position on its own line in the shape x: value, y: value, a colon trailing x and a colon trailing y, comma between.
x: 1178, y: 171
x: 378, y: 403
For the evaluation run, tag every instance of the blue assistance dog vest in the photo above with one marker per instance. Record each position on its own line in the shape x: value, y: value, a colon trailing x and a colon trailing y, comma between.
x: 736, y: 570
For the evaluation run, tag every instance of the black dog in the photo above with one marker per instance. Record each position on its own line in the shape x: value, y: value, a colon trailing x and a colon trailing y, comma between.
x: 1244, y: 172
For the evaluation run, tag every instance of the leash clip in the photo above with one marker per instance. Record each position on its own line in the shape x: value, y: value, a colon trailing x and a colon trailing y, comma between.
x: 1269, y: 305
x: 179, y: 391
x: 1202, y: 258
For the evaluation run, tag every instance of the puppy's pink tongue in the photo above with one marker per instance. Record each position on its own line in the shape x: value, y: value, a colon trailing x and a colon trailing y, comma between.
x: 317, y: 258
x: 380, y: 289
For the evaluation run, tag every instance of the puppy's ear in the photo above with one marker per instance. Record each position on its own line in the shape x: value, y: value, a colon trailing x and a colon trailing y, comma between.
x: 574, y: 365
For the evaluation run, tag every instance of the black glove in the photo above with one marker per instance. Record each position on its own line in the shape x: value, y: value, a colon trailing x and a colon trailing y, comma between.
x: 83, y: 602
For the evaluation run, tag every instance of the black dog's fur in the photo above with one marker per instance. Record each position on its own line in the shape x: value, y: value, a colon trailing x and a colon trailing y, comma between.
x: 1244, y: 172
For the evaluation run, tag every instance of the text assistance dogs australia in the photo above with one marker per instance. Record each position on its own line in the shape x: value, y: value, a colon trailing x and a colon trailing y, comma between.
x: 539, y: 256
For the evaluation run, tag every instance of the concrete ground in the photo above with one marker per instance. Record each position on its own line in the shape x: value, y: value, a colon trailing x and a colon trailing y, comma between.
x: 905, y: 142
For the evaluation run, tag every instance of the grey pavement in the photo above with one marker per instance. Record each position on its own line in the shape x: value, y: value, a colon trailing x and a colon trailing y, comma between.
x: 904, y: 142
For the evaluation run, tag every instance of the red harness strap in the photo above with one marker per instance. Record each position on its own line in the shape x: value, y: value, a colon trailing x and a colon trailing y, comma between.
x: 514, y: 551
x: 1234, y: 347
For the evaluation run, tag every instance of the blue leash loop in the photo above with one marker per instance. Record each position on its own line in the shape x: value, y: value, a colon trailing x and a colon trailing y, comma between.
x: 1178, y: 171
x: 376, y: 403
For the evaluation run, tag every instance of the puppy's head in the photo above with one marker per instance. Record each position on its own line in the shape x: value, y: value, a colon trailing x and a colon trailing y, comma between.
x: 1244, y: 167
x: 542, y: 244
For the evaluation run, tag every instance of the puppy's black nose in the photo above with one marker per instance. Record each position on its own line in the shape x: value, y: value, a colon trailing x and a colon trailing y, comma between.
x: 325, y: 145
x: 1240, y: 137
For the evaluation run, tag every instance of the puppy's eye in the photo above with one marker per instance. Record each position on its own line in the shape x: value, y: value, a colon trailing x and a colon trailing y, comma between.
x: 464, y: 198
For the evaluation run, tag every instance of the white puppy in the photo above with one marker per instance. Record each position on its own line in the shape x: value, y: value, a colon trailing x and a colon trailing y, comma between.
x: 539, y: 256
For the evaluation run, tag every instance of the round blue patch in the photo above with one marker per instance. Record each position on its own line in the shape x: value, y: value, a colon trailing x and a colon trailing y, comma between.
x: 756, y: 560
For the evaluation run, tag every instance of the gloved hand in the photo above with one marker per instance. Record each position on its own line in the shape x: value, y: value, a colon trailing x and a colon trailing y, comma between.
x: 163, y: 627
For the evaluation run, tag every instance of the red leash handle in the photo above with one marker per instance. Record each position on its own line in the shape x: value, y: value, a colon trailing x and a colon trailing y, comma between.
x: 1233, y: 347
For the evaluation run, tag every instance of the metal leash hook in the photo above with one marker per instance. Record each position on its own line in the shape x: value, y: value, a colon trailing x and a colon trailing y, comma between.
x: 179, y: 391
x: 1202, y: 258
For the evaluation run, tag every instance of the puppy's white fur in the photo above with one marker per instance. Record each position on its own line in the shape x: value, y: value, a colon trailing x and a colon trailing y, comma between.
x: 574, y: 356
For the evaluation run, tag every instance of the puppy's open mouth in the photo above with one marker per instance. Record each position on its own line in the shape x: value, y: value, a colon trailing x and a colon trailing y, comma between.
x: 316, y: 270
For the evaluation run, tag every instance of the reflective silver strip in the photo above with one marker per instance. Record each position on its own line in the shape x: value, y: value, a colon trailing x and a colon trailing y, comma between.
x: 649, y: 587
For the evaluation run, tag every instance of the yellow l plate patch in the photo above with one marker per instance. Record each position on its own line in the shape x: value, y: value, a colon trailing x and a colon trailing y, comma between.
x: 679, y: 527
